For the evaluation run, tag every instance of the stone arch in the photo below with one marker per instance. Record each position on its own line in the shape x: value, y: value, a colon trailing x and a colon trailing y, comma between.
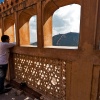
x: 9, y: 27
x: 24, y: 25
x: 49, y: 9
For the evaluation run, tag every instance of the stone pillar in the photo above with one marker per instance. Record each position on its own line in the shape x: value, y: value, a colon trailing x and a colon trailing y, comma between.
x: 39, y: 27
x: 98, y: 28
x: 17, y: 28
x: 88, y: 23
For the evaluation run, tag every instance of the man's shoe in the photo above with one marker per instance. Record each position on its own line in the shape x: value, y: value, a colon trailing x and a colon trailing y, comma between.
x: 4, y: 91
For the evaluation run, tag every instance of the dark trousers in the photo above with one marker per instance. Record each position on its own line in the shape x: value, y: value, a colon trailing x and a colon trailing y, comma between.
x: 3, y: 72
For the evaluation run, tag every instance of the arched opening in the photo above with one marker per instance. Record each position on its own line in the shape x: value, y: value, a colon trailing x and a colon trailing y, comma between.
x: 66, y: 26
x: 63, y: 18
x: 9, y: 28
x: 33, y: 30
x: 27, y: 27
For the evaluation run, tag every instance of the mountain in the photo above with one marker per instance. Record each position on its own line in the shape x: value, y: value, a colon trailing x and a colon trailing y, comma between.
x: 67, y: 39
x: 35, y: 43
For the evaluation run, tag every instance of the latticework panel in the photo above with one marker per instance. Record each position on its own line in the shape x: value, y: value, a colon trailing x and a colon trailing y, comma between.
x: 46, y: 75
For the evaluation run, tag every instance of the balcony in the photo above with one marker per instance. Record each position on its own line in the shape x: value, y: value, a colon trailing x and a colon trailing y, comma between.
x: 52, y: 72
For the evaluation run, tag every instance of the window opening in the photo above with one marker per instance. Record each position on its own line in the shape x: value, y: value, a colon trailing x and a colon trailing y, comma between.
x: 9, y: 29
x: 33, y: 30
x: 66, y: 26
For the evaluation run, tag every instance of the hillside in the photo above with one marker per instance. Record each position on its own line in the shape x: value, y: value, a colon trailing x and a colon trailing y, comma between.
x: 68, y: 39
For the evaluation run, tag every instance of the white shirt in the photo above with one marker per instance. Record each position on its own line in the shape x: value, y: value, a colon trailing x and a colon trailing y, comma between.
x: 4, y: 52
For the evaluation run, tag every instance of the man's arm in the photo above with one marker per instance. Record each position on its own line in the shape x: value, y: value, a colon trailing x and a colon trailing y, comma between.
x: 9, y: 45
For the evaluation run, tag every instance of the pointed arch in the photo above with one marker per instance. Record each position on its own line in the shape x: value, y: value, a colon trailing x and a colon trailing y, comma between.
x: 52, y: 6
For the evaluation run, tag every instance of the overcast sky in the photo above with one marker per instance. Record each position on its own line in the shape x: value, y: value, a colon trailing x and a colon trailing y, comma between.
x: 65, y: 19
x: 33, y: 29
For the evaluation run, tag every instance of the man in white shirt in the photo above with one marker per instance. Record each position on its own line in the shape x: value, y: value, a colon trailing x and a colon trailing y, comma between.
x: 4, y: 56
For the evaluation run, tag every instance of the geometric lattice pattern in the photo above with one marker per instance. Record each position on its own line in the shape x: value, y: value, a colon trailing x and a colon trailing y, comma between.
x: 46, y: 75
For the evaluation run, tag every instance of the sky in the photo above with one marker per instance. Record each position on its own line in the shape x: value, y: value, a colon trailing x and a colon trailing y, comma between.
x: 1, y: 1
x: 33, y: 29
x: 65, y: 19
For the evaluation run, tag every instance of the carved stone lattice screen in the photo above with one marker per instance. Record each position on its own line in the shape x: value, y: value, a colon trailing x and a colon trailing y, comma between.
x: 45, y: 75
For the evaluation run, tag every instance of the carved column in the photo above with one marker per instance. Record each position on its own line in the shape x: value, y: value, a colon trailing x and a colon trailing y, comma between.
x: 39, y: 27
x: 17, y: 28
x: 98, y: 28
x: 88, y: 22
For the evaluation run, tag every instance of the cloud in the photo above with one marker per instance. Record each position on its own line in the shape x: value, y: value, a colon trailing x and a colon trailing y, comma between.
x: 67, y: 18
x: 58, y: 21
x: 33, y: 22
x: 33, y: 29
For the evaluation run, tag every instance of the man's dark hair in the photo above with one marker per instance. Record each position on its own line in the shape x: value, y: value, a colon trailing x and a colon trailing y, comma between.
x: 4, y: 38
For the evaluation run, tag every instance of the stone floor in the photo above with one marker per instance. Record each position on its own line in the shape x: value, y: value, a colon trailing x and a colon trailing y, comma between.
x: 15, y: 94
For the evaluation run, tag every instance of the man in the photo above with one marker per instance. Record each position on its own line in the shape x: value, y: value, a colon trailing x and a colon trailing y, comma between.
x: 4, y: 56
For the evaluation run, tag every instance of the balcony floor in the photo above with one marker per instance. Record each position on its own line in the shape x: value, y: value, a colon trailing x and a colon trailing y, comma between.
x: 14, y: 94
